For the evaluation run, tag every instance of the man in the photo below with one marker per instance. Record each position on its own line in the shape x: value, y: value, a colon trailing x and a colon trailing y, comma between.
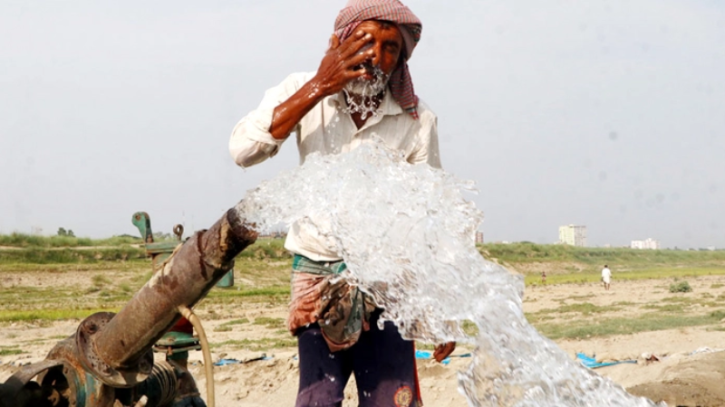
x: 606, y: 277
x: 361, y: 91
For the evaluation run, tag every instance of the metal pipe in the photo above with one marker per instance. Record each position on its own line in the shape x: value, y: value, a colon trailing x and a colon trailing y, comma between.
x: 117, y: 349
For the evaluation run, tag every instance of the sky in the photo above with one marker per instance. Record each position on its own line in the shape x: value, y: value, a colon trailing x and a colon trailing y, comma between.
x: 604, y: 113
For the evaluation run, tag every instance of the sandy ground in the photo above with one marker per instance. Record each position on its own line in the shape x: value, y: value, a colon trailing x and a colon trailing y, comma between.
x: 690, y: 370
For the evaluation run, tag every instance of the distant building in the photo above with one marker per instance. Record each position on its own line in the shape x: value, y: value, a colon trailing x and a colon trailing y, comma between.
x: 573, y: 235
x: 647, y: 244
x: 479, y: 237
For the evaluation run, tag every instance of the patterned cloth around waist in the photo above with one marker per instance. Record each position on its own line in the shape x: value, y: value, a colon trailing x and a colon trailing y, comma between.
x: 318, y: 295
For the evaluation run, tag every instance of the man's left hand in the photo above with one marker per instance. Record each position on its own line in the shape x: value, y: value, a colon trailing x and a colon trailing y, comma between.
x: 443, y: 351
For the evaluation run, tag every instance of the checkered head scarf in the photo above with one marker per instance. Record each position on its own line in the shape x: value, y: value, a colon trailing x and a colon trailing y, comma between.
x: 357, y: 11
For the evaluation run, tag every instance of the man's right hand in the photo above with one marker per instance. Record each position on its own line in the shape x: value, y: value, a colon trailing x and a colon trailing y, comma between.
x: 337, y: 68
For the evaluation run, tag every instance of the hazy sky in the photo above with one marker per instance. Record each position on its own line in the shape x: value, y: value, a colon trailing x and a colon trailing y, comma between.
x: 608, y: 113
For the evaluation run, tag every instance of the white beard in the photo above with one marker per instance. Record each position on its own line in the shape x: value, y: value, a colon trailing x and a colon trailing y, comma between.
x: 364, y: 87
x: 365, y: 90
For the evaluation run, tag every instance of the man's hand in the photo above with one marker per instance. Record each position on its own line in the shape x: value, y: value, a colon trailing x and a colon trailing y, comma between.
x: 443, y: 351
x: 337, y: 68
x: 338, y: 65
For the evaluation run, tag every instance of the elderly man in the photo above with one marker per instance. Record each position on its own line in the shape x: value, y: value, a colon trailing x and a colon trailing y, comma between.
x: 362, y: 90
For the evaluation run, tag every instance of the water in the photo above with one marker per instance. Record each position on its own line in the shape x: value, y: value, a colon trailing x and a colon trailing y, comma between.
x: 361, y: 93
x: 407, y: 235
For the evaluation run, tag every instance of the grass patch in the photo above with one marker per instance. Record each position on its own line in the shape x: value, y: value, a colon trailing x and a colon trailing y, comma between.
x: 223, y: 328
x: 257, y: 344
x: 681, y: 287
x: 672, y: 308
x: 48, y: 314
x: 11, y: 350
x: 644, y: 274
x: 257, y: 292
x: 24, y: 240
x: 271, y: 323
x: 585, y: 308
x: 714, y: 286
x: 618, y: 258
x: 578, y: 297
x: 683, y: 299
x: 227, y: 326
x: 237, y: 322
x: 469, y: 328
x: 100, y: 280
x: 46, y: 256
x: 266, y: 249
x: 623, y: 326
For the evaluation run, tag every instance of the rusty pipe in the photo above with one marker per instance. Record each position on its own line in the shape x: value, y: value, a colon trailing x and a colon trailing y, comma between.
x: 118, y: 348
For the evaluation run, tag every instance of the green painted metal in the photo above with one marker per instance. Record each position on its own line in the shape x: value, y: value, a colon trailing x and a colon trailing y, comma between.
x: 226, y: 281
x: 158, y: 251
x: 143, y: 222
x: 176, y: 345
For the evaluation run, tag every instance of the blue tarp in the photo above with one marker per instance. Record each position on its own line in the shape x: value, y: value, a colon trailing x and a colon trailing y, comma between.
x: 424, y: 354
x: 591, y: 362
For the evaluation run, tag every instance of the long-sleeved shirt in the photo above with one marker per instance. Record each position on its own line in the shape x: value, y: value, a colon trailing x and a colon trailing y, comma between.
x: 329, y: 129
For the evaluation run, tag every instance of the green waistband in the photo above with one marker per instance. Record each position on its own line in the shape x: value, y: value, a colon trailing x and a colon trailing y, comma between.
x: 304, y: 265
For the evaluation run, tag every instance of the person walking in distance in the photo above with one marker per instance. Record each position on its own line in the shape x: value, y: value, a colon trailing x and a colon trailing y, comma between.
x: 606, y: 277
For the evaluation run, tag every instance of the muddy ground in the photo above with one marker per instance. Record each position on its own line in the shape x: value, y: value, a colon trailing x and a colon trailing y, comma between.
x: 689, y: 372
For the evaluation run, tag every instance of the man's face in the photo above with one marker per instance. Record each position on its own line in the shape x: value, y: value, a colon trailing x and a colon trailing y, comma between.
x: 387, y: 44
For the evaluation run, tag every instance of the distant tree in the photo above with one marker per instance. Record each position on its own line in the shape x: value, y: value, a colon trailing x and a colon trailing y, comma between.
x: 70, y: 233
x: 62, y: 232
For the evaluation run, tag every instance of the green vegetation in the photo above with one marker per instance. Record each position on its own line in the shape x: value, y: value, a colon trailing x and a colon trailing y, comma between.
x: 616, y: 258
x: 43, y: 255
x: 641, y: 274
x: 271, y: 323
x: 681, y: 287
x: 669, y: 308
x: 48, y: 314
x: 257, y: 344
x: 227, y: 326
x: 255, y: 292
x: 582, y: 308
x: 23, y: 240
x: 10, y: 350
x: 470, y: 328
x: 46, y: 250
x: 579, y: 329
x: 111, y: 270
x: 266, y: 248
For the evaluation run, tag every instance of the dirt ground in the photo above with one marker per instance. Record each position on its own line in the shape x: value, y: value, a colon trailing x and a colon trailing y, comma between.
x: 689, y: 372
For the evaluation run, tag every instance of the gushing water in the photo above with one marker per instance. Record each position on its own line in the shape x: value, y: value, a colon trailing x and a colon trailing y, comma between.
x: 361, y: 93
x: 407, y: 235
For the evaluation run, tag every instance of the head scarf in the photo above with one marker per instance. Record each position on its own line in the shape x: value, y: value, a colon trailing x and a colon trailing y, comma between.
x: 357, y: 11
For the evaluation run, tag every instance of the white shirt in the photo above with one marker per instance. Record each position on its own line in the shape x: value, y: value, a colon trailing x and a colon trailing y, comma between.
x: 606, y: 273
x: 327, y: 129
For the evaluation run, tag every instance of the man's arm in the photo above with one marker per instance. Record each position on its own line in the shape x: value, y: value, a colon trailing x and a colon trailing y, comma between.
x: 260, y: 134
x: 336, y: 70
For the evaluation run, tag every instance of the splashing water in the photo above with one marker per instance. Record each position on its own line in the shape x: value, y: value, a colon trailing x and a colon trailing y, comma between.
x: 360, y: 93
x: 407, y: 235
